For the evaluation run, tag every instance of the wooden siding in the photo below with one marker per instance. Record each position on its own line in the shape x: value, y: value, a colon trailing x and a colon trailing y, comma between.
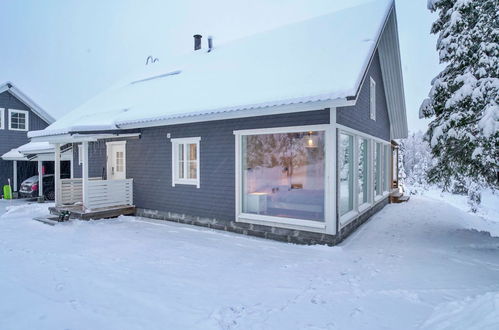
x: 357, y: 116
x: 13, y: 139
x: 149, y: 163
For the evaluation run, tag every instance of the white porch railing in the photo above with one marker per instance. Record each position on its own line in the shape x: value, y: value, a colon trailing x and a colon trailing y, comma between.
x: 108, y: 193
x: 71, y: 191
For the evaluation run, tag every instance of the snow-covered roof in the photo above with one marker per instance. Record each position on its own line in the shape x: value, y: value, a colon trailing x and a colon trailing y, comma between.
x: 36, y: 148
x: 316, y: 60
x: 13, y: 154
x: 9, y: 86
x: 42, y: 150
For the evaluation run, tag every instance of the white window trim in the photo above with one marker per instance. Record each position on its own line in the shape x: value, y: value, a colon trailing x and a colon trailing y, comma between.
x: 353, y: 212
x: 372, y: 98
x: 175, y: 179
x: 12, y: 111
x: 372, y: 199
x: 2, y: 118
x: 327, y: 225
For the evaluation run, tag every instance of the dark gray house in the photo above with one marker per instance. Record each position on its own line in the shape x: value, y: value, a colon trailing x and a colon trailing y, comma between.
x: 18, y: 115
x: 285, y: 134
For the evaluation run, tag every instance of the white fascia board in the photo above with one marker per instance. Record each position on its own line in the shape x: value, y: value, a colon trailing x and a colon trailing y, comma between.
x: 234, y: 114
x: 8, y: 86
x: 75, y: 138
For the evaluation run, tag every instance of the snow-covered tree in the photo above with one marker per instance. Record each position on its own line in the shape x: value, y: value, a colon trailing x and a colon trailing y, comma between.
x: 463, y: 101
x: 416, y: 159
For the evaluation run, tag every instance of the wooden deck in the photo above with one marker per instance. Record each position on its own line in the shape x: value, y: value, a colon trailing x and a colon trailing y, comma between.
x: 77, y: 212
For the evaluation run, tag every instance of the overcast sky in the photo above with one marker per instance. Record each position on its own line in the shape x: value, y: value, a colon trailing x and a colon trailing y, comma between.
x: 61, y: 53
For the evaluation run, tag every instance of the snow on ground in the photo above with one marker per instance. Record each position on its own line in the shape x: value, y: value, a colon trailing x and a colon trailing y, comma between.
x: 488, y: 212
x: 413, y: 265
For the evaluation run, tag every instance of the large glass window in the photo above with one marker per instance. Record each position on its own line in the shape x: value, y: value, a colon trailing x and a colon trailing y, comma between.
x: 283, y: 175
x: 346, y: 166
x: 377, y: 169
x: 363, y: 175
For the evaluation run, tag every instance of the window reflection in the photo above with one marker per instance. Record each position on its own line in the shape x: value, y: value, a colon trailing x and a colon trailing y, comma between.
x: 283, y: 175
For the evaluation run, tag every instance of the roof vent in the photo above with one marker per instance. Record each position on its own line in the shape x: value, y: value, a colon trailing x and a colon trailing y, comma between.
x: 210, y: 43
x: 197, y: 41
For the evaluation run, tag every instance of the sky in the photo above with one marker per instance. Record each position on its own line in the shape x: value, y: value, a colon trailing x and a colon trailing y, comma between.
x: 61, y: 53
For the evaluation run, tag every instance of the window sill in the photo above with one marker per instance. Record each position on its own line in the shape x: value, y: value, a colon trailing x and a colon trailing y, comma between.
x: 186, y: 182
x: 348, y: 217
x: 18, y: 129
x: 289, y: 223
x: 364, y: 207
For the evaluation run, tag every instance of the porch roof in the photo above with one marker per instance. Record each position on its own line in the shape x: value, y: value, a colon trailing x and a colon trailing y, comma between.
x: 14, y: 154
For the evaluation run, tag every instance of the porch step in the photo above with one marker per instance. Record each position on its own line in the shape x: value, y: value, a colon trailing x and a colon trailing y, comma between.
x: 101, y: 213
x: 52, y: 221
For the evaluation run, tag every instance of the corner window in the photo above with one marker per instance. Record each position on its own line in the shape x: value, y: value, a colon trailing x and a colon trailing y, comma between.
x: 185, y: 157
x: 18, y: 120
x: 377, y: 169
x: 346, y: 173
x: 282, y: 175
x: 2, y: 118
x: 362, y: 168
x: 372, y: 99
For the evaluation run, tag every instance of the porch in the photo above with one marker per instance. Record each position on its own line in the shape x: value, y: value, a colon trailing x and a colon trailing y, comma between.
x: 87, y: 197
x: 105, y: 198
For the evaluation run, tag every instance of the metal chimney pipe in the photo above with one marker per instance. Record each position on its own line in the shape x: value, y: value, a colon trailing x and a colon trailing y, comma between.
x: 197, y: 41
x: 210, y: 43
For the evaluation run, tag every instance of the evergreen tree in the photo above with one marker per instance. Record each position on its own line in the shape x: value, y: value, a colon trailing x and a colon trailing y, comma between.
x: 463, y: 100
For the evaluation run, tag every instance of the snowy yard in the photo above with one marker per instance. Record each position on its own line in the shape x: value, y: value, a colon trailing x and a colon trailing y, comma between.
x: 414, y: 265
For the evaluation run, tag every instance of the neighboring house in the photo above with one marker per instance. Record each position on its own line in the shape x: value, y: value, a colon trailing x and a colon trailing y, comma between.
x: 18, y: 115
x: 284, y: 135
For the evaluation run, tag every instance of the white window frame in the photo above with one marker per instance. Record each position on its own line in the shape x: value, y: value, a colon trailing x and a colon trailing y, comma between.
x: 2, y: 118
x: 328, y: 225
x: 372, y: 198
x: 372, y: 98
x: 175, y: 179
x: 364, y: 206
x: 26, y: 113
x: 353, y: 212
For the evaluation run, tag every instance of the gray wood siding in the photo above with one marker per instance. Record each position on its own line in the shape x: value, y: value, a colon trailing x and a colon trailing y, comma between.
x: 357, y: 116
x: 149, y: 163
x: 13, y: 139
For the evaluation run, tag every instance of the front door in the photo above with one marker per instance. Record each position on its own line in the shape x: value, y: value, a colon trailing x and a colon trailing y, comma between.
x: 116, y: 160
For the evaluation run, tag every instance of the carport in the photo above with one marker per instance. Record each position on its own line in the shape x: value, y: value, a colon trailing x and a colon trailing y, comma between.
x: 42, y: 153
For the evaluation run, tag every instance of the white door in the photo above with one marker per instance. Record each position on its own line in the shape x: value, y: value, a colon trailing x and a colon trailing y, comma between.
x: 116, y: 161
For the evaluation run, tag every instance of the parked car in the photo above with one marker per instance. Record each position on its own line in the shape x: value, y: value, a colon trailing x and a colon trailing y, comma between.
x: 29, y: 187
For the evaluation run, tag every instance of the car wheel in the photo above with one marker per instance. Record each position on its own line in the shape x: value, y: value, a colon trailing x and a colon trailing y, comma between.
x: 50, y: 195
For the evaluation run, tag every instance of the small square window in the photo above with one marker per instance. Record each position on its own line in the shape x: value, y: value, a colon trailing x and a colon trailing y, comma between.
x: 185, y: 161
x: 18, y: 120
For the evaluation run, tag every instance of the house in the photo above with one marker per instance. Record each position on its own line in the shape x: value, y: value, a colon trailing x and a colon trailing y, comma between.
x: 285, y: 134
x: 18, y: 115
